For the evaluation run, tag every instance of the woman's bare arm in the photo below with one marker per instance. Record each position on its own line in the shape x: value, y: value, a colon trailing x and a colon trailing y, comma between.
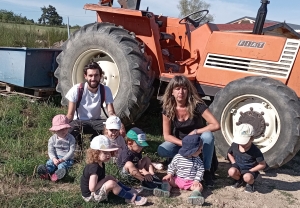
x: 212, y: 123
x: 167, y: 132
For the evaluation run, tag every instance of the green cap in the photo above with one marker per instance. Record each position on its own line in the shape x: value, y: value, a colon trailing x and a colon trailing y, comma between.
x: 138, y: 136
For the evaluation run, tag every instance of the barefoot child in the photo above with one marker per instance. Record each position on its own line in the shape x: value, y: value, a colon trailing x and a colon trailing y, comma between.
x: 132, y: 163
x: 185, y: 171
x: 245, y: 157
x: 61, y: 147
x: 94, y: 184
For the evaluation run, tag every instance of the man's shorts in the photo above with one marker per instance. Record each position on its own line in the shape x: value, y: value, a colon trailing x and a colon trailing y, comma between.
x: 243, y: 172
x: 98, y: 196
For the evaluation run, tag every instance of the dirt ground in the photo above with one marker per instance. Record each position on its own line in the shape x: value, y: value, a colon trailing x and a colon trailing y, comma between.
x: 274, y: 188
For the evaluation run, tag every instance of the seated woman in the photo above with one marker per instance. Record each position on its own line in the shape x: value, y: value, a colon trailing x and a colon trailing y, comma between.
x: 183, y: 114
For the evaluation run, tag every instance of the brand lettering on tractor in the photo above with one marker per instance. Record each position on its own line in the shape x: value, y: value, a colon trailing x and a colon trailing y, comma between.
x: 251, y: 44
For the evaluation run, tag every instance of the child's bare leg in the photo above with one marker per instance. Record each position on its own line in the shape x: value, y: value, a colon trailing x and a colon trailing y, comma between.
x: 111, y: 185
x: 248, y: 178
x: 197, y: 187
x: 132, y: 170
x: 145, y: 163
x: 234, y: 173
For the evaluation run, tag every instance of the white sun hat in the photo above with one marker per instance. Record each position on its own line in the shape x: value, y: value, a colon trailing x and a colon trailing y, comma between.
x: 102, y: 143
x: 244, y: 133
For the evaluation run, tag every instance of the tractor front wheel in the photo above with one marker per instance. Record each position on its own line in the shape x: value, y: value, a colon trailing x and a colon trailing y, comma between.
x: 269, y: 106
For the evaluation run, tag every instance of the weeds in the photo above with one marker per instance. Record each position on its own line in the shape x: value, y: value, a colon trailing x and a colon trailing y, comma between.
x: 15, y: 35
x: 24, y: 137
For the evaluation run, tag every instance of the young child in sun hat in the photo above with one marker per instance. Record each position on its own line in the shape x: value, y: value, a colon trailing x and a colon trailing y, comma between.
x: 94, y: 184
x: 245, y: 157
x: 112, y: 132
x: 132, y: 163
x: 185, y: 171
x: 61, y: 147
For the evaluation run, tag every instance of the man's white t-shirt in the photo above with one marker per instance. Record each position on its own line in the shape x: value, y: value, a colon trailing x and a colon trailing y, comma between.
x: 90, y: 105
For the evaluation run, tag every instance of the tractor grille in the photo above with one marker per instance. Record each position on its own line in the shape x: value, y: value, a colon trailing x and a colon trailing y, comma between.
x: 282, y: 68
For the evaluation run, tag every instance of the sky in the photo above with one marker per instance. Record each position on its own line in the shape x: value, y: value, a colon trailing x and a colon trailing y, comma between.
x: 223, y: 10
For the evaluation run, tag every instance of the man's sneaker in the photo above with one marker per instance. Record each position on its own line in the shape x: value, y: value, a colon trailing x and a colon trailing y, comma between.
x: 249, y: 188
x: 196, y: 198
x: 59, y: 174
x: 208, y: 179
x: 156, y: 179
x: 43, y: 172
x: 148, y: 185
x: 238, y: 183
x: 161, y: 193
x: 141, y: 200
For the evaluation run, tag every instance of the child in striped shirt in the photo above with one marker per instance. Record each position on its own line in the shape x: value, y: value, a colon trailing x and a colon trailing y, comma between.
x: 185, y: 171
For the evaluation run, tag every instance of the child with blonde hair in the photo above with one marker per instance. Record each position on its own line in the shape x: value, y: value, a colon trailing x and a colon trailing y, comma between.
x: 61, y: 147
x: 94, y: 184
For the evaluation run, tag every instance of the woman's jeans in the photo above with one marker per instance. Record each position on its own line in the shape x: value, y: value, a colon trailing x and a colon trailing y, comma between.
x: 51, y: 167
x: 168, y: 149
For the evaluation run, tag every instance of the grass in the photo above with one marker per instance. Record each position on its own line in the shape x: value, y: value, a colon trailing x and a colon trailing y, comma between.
x: 17, y: 35
x: 24, y: 137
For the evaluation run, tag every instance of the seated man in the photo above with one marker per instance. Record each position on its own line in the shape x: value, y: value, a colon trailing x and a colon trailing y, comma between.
x: 85, y: 99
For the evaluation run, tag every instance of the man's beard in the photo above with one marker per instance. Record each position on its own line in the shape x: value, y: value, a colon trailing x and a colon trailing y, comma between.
x: 95, y: 85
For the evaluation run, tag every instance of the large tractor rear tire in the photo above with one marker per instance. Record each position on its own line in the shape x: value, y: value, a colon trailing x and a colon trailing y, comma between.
x: 127, y: 69
x: 270, y: 106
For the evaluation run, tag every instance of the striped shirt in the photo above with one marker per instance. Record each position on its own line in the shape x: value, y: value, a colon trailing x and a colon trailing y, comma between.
x: 187, y: 168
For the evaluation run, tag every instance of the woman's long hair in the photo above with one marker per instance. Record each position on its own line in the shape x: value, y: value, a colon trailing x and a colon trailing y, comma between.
x: 169, y: 102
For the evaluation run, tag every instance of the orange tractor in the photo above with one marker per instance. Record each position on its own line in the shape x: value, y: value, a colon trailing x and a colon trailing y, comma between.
x: 249, y: 78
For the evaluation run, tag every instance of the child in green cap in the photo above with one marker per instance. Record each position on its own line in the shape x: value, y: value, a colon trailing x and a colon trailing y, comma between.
x: 132, y: 163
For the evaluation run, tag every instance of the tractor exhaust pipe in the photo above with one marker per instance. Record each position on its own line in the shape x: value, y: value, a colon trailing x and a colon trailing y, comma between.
x: 260, y: 18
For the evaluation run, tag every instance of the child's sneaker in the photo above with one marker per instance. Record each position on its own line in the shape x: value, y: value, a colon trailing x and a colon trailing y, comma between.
x: 156, y: 179
x: 148, y: 185
x: 238, y: 183
x: 137, y: 200
x: 161, y: 193
x: 59, y: 174
x: 249, y: 188
x: 196, y: 198
x: 43, y: 172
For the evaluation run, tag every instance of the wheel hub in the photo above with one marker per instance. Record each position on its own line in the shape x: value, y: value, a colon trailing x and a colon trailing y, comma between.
x: 256, y: 119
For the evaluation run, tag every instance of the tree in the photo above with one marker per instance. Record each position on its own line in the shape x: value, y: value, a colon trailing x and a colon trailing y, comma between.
x: 189, y: 6
x: 50, y: 16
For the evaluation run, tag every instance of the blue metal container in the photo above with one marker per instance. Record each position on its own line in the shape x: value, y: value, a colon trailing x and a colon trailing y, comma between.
x: 28, y: 67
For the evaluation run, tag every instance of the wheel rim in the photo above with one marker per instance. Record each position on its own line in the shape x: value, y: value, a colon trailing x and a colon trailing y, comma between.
x: 232, y: 113
x: 111, y: 77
